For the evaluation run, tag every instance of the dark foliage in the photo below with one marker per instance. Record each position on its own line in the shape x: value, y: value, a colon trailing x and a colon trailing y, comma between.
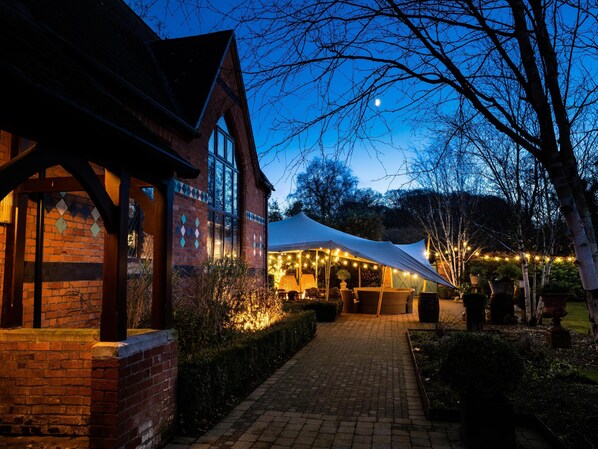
x: 479, y: 365
x: 213, y: 380
x: 326, y: 311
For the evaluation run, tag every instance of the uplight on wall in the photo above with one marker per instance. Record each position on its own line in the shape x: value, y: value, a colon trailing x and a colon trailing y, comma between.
x: 6, y: 215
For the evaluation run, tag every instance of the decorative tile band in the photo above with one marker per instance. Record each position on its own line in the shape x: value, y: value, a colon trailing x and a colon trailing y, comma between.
x: 190, y: 191
x: 254, y: 217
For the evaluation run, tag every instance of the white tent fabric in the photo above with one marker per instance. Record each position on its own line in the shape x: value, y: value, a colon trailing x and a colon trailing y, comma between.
x: 416, y: 250
x: 301, y: 233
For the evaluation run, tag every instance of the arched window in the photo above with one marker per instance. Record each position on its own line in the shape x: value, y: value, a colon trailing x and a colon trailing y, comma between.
x: 223, y: 204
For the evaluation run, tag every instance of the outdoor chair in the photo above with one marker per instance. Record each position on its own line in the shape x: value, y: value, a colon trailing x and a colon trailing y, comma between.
x: 293, y: 295
x: 281, y: 293
x: 312, y: 293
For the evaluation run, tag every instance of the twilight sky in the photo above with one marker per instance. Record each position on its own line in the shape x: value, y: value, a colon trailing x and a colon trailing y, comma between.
x: 374, y: 167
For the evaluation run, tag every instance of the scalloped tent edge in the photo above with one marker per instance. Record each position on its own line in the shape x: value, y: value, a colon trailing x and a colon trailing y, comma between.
x: 301, y: 233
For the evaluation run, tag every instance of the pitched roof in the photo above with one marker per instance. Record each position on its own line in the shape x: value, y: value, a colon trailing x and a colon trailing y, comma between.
x: 191, y: 66
x: 99, y: 59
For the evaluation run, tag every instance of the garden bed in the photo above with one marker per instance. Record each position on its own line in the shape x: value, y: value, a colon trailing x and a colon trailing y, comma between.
x: 557, y: 387
x: 214, y: 380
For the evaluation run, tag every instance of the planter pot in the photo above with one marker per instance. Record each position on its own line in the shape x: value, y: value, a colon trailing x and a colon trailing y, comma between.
x: 555, y: 305
x: 487, y: 424
x: 343, y: 285
x: 502, y: 287
x: 475, y: 315
x: 502, y: 308
x: 474, y: 280
x: 428, y: 308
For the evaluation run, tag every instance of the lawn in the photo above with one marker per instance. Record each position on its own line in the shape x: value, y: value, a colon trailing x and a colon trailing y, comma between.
x: 577, y: 317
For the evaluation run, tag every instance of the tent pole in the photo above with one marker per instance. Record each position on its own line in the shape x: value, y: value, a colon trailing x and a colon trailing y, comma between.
x: 428, y: 252
x: 381, y: 290
x: 327, y: 275
x: 359, y: 273
x: 300, y: 257
x: 317, y: 269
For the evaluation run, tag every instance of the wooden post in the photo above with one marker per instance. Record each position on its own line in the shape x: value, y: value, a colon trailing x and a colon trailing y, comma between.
x: 384, y: 268
x: 14, y: 268
x: 327, y: 276
x: 39, y: 258
x: 113, y: 326
x: 162, y: 257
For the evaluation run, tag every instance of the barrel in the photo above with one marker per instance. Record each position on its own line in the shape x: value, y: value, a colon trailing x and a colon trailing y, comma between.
x: 428, y: 308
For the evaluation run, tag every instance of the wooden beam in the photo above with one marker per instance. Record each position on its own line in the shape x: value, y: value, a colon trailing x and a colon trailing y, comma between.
x: 65, y: 184
x: 162, y: 257
x: 21, y: 167
x: 113, y: 325
x: 47, y: 185
x: 105, y: 203
x: 147, y: 206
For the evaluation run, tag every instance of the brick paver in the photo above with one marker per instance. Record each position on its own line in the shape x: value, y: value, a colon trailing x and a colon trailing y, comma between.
x: 353, y: 386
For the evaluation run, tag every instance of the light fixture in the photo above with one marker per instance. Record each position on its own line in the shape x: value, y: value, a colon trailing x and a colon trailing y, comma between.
x: 6, y: 206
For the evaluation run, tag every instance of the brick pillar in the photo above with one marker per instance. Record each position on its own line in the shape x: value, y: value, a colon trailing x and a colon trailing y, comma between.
x: 133, y: 391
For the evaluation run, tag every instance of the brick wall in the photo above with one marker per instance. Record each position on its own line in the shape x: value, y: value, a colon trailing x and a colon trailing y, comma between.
x: 72, y: 255
x: 64, y: 382
x: 134, y: 391
x: 45, y: 381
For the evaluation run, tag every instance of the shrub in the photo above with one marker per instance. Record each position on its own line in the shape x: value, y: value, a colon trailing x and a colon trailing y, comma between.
x: 473, y: 299
x: 553, y: 287
x: 343, y: 274
x: 211, y: 379
x: 219, y: 300
x: 508, y: 272
x: 480, y: 366
x: 326, y: 311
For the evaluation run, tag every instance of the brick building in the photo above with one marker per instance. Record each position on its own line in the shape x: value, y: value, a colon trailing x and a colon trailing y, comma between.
x: 115, y: 145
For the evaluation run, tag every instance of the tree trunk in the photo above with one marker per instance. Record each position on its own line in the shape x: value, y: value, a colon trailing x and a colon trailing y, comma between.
x: 581, y: 244
x: 526, y: 287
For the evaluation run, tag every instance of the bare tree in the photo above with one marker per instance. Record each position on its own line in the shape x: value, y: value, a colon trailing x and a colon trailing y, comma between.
x: 518, y: 177
x: 449, y: 217
x: 523, y: 66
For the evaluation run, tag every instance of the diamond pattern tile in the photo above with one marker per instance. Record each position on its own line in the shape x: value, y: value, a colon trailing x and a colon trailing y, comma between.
x: 61, y: 206
x: 182, y: 241
x: 183, y: 219
x: 95, y: 229
x: 61, y: 225
x: 95, y: 213
x: 196, y: 244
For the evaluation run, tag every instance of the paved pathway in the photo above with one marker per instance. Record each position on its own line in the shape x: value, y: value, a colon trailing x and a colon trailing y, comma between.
x: 353, y: 386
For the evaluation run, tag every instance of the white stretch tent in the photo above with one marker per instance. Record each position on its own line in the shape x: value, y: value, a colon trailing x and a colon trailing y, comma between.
x: 301, y: 233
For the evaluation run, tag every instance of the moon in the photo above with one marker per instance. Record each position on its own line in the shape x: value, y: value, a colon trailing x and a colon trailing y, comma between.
x: 377, y: 102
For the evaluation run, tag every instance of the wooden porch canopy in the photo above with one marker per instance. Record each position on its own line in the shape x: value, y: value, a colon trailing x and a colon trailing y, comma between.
x: 78, y: 114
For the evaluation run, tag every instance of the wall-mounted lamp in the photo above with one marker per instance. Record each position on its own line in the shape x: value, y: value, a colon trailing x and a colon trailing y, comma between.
x: 6, y: 209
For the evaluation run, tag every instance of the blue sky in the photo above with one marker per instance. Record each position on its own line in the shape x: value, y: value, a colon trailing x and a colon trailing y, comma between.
x: 374, y: 167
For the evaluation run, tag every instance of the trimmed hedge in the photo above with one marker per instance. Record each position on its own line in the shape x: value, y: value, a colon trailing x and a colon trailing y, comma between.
x: 326, y: 311
x: 211, y: 382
